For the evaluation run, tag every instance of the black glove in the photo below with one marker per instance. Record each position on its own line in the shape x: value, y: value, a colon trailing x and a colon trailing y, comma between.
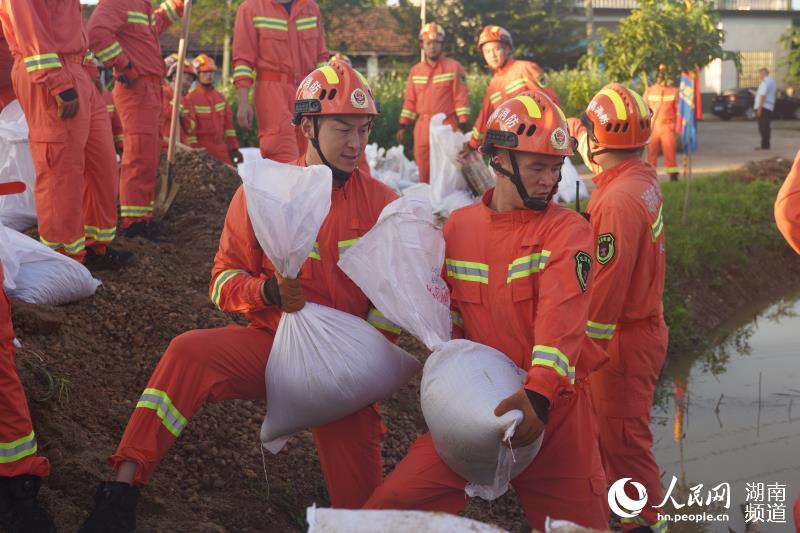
x: 464, y: 127
x: 236, y: 157
x: 69, y: 95
x: 129, y: 76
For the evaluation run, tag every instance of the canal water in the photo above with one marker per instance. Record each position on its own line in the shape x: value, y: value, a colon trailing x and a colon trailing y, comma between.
x: 731, y: 416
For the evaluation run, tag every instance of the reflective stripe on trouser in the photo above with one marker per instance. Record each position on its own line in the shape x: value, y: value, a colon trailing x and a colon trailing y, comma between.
x: 422, y: 147
x: 564, y: 481
x: 139, y: 109
x: 663, y: 139
x: 278, y: 139
x: 75, y: 162
x: 623, y: 395
x: 227, y: 363
x: 17, y: 439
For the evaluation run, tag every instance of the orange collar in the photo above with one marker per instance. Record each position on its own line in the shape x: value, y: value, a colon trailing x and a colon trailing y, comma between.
x: 607, y: 176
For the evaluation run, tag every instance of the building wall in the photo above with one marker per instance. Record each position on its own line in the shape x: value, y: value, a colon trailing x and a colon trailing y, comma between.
x: 756, y: 36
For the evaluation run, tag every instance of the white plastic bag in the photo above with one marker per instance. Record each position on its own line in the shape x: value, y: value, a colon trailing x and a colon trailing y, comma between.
x: 449, y: 190
x: 325, y: 364
x: 570, y: 182
x: 36, y: 274
x: 379, y: 521
x: 463, y: 381
x: 17, y: 211
x: 391, y: 167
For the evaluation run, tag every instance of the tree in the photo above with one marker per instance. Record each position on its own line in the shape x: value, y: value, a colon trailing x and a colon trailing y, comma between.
x: 683, y: 36
x: 791, y: 41
x: 545, y: 31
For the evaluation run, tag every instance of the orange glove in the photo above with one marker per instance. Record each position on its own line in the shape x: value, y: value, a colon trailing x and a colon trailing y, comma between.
x: 286, y: 293
x: 531, y: 426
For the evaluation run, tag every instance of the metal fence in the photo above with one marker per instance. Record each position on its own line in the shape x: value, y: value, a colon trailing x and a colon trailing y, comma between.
x: 752, y: 61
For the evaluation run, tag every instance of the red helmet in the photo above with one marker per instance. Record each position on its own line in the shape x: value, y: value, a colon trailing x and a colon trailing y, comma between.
x: 495, y: 34
x: 617, y: 118
x: 431, y: 31
x: 338, y: 56
x: 204, y: 63
x: 530, y: 122
x: 172, y: 66
x: 334, y: 89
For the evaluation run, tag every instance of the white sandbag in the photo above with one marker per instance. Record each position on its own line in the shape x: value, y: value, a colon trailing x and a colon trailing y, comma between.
x: 250, y: 153
x: 36, y: 274
x: 463, y: 381
x: 17, y: 211
x: 325, y: 364
x: 446, y: 178
x: 379, y: 521
x: 420, y: 191
x: 570, y: 183
x: 391, y: 167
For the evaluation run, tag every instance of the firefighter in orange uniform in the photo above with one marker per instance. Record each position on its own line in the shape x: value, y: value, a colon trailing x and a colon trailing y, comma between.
x: 437, y: 84
x: 627, y: 313
x: 215, y: 130
x: 511, y: 77
x: 536, y: 317
x: 21, y: 469
x: 218, y: 364
x: 70, y: 139
x: 276, y: 43
x: 187, y: 123
x: 123, y: 34
x: 787, y: 206
x: 663, y: 99
x: 116, y: 126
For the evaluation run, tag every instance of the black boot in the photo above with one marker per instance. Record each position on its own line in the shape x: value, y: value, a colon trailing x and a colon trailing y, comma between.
x: 113, y: 259
x: 26, y: 513
x: 673, y: 176
x: 143, y: 229
x: 114, y: 509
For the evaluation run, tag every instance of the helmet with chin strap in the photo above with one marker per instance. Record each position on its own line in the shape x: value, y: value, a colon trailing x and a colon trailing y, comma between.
x: 333, y: 89
x: 530, y: 122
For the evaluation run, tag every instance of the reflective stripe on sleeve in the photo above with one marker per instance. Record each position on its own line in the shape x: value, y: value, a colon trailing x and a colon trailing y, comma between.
x: 528, y: 265
x: 379, y: 321
x: 598, y: 330
x: 13, y: 451
x: 41, y: 62
x: 467, y: 271
x: 553, y: 358
x: 107, y: 54
x: 222, y: 278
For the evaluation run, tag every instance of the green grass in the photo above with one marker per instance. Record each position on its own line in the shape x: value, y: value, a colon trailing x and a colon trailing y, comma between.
x: 729, y: 229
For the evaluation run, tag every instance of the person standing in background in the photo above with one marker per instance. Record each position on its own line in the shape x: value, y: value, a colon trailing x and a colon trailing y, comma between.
x: 765, y: 106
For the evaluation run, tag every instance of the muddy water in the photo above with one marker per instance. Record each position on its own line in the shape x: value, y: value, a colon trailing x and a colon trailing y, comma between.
x: 732, y: 415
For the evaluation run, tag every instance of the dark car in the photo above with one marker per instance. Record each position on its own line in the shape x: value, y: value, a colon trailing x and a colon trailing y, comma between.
x: 739, y: 103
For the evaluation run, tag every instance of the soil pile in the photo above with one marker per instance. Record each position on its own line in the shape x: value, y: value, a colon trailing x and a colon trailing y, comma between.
x: 84, y: 366
x: 773, y: 169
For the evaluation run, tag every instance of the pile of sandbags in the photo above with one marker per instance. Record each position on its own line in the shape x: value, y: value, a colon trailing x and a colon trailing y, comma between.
x: 325, y: 364
x: 449, y: 189
x: 392, y: 167
x: 463, y: 381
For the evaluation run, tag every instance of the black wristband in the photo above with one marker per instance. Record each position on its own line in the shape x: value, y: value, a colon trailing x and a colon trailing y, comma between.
x: 541, y: 405
x: 270, y: 292
x: 68, y: 95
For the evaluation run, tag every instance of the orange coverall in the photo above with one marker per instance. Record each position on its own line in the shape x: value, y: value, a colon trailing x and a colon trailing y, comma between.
x: 529, y: 302
x: 116, y: 125
x: 515, y: 77
x: 627, y: 316
x: 224, y: 363
x: 787, y: 206
x: 123, y: 32
x: 431, y: 89
x: 6, y: 65
x: 74, y: 158
x: 187, y: 123
x: 17, y: 440
x: 277, y: 51
x: 215, y: 131
x: 663, y: 100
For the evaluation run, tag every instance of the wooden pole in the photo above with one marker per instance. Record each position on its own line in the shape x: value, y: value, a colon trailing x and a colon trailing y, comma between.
x: 587, y: 4
x: 226, y: 46
x: 423, y: 15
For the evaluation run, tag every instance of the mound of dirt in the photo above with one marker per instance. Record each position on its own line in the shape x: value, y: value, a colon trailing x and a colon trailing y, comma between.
x: 84, y: 366
x: 773, y: 169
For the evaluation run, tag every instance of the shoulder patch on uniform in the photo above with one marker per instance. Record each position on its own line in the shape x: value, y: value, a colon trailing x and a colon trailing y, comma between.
x: 583, y: 264
x: 605, y: 248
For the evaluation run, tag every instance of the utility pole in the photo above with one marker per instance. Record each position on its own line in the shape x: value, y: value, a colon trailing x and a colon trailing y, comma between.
x: 587, y: 4
x: 422, y: 18
x: 226, y: 45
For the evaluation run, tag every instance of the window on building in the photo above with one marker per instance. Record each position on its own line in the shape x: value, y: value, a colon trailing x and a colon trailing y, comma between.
x: 752, y: 61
